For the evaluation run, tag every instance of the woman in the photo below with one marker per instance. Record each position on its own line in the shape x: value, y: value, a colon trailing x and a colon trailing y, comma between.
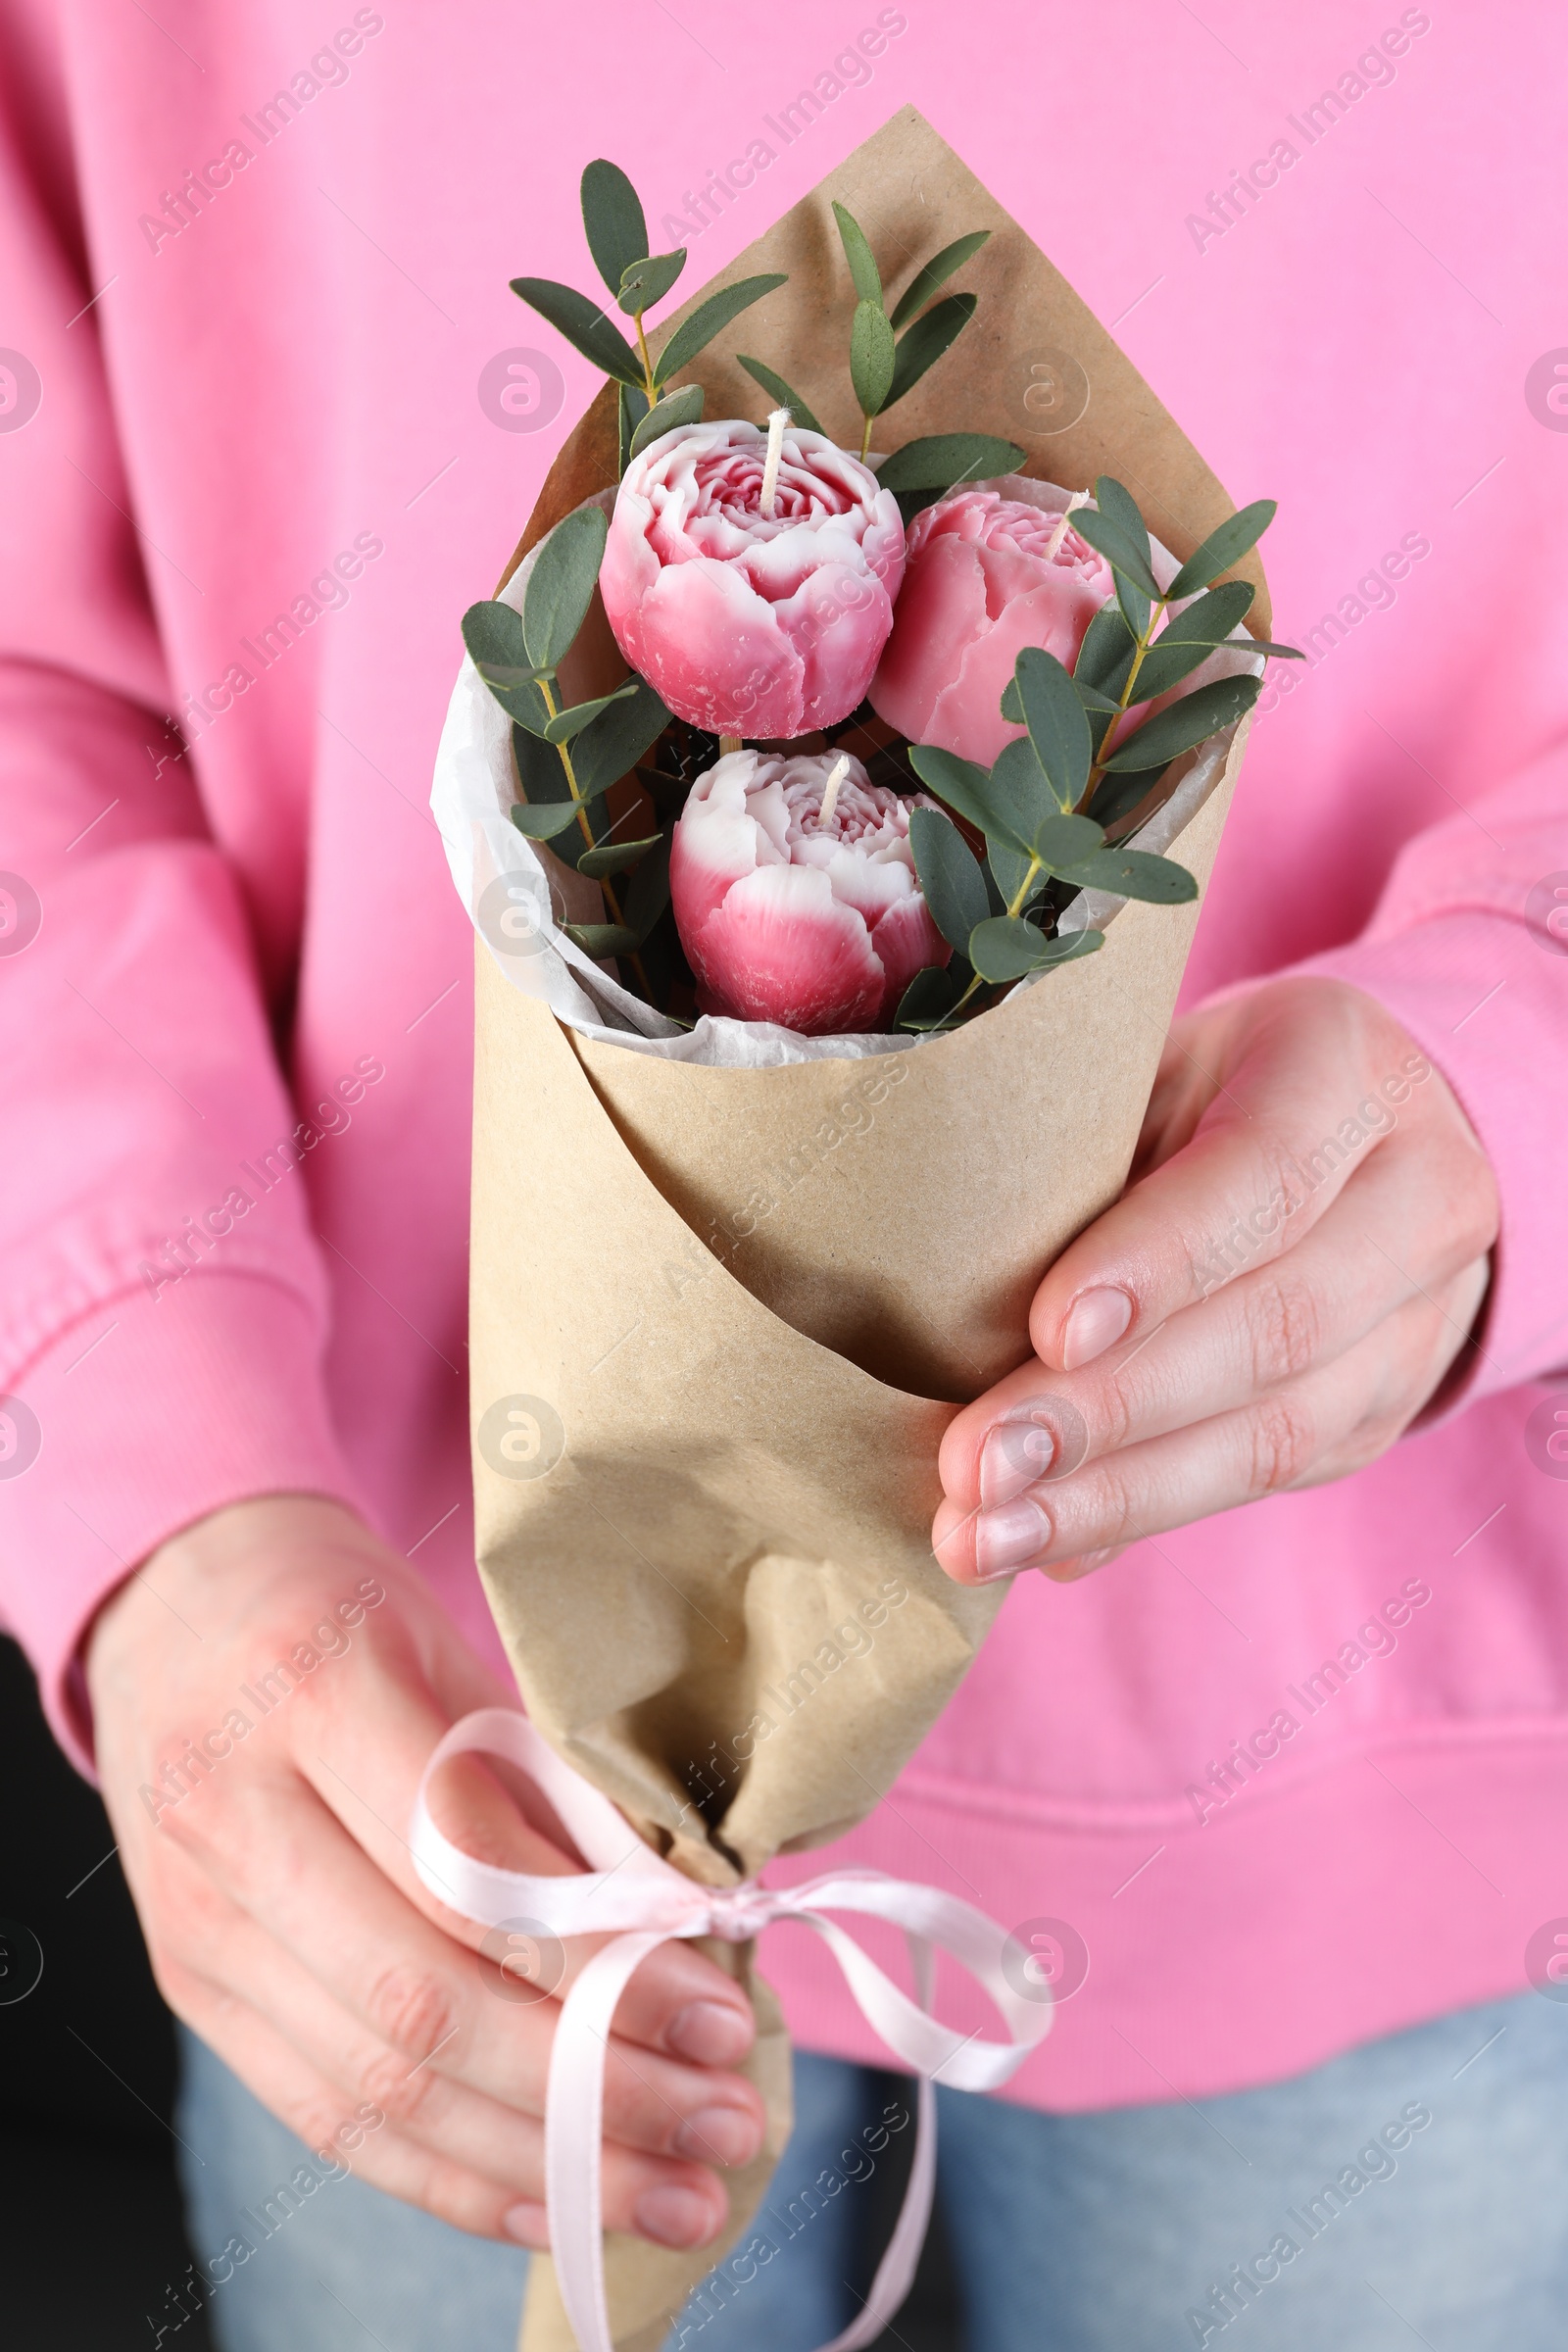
x: 1272, y: 1797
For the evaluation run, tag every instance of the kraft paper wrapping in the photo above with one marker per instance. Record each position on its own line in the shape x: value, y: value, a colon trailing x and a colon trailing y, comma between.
x: 733, y: 1309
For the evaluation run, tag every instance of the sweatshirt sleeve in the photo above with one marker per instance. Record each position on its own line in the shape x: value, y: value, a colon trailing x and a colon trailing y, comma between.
x: 160, y: 1342
x: 1468, y: 948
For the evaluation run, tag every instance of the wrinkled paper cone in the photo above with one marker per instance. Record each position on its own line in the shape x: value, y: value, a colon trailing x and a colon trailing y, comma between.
x: 731, y: 1310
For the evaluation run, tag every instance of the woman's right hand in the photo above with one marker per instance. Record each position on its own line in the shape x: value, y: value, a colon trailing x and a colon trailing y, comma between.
x: 286, y: 1923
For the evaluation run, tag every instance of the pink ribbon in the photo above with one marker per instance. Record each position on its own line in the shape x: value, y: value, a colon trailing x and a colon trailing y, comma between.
x: 630, y: 1894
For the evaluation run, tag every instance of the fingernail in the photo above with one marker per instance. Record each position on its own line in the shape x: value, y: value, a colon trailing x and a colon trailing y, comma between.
x: 719, y: 2135
x: 528, y: 2225
x: 676, y: 2216
x: 1005, y: 1540
x: 1096, y: 1322
x: 1016, y: 1453
x: 709, y: 2032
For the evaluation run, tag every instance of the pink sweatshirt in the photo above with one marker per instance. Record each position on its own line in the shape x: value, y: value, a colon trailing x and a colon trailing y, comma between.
x: 1292, y: 1777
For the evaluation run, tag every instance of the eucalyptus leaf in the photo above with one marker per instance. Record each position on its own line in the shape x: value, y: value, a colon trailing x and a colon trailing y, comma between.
x: 781, y: 393
x: 929, y: 998
x: 1013, y: 874
x: 572, y: 720
x: 1106, y: 652
x: 648, y: 281
x: 1005, y: 947
x: 1097, y: 705
x: 1165, y: 666
x: 942, y: 460
x: 615, y: 857
x: 544, y: 822
x: 1192, y: 720
x: 707, y: 320
x: 1067, y: 948
x: 1209, y: 620
x: 1017, y: 795
x: 1224, y: 547
x: 1057, y: 727
x: 1135, y: 874
x: 1116, y: 797
x: 684, y: 407
x: 959, y: 782
x: 936, y: 273
x: 524, y: 704
x: 1122, y: 553
x: 584, y: 325
x: 633, y: 408
x: 858, y: 253
x: 1063, y: 843
x: 873, y: 356
x: 1134, y: 605
x: 599, y: 940
x: 612, y: 217
x: 950, y: 875
x: 1119, y: 506
x: 493, y: 634
x: 612, y: 743
x: 1280, y: 652
x: 561, y: 585
x: 921, y: 345
x: 541, y: 771
x: 648, y: 891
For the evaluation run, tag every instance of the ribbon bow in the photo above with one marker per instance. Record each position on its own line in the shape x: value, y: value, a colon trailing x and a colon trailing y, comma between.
x: 631, y: 1893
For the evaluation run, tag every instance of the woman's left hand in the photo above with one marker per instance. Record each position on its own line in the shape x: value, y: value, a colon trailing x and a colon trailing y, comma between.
x: 1301, y: 1254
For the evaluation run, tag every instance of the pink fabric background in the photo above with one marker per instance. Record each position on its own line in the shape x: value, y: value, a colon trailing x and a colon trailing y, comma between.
x: 230, y: 937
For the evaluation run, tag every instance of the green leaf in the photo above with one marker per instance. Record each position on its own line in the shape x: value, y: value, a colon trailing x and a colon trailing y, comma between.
x: 1135, y: 605
x: 929, y: 998
x: 600, y: 939
x: 1115, y: 797
x: 612, y: 744
x: 1017, y: 795
x: 1124, y: 554
x: 1209, y: 620
x: 922, y: 345
x: 1192, y: 720
x: 1120, y: 506
x: 858, y: 253
x: 942, y: 460
x: 1014, y: 872
x: 872, y: 356
x: 1063, y: 843
x: 1098, y: 705
x: 1057, y: 727
x: 1224, y: 547
x: 1106, y: 652
x: 779, y: 392
x: 1280, y: 652
x: 544, y: 822
x: 648, y: 281
x: 950, y: 875
x: 684, y: 407
x: 572, y: 720
x: 1005, y: 947
x: 648, y: 891
x: 956, y: 781
x: 1135, y: 874
x: 707, y: 320
x: 493, y: 634
x: 1165, y: 666
x: 584, y: 325
x: 612, y: 217
x: 633, y: 409
x: 1068, y: 949
x: 613, y: 857
x: 936, y: 273
x: 561, y: 585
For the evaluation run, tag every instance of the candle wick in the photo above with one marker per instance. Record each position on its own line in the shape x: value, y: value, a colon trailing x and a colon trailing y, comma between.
x: 836, y: 775
x: 775, y: 446
x: 1079, y: 497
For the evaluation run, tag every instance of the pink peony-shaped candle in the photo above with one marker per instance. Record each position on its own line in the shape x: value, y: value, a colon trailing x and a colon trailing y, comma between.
x: 985, y: 576
x: 754, y: 608
x: 795, y: 893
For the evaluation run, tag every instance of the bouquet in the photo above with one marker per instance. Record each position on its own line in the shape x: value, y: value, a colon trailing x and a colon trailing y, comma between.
x: 811, y: 782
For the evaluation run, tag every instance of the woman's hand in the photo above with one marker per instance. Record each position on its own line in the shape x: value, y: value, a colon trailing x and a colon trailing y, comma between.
x: 1299, y: 1257
x: 286, y: 1923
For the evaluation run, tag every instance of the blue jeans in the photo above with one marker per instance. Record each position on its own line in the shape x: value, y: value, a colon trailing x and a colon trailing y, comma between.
x: 1413, y: 2189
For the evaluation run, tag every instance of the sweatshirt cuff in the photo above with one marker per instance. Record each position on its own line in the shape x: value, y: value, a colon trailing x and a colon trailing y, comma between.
x: 140, y: 1419
x: 1486, y: 999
